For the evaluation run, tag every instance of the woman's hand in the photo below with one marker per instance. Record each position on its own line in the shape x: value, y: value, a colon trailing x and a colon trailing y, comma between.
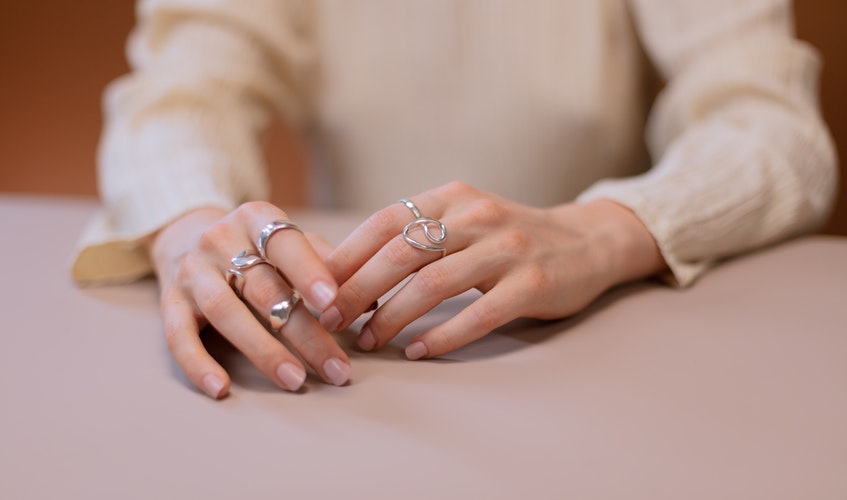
x: 527, y: 262
x: 192, y: 257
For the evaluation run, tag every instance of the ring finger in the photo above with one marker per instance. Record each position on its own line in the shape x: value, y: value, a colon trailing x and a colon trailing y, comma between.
x: 234, y: 320
x: 265, y: 290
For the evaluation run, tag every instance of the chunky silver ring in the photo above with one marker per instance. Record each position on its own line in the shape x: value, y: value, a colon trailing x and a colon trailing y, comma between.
x: 282, y: 310
x: 244, y: 260
x: 269, y: 230
x: 425, y: 223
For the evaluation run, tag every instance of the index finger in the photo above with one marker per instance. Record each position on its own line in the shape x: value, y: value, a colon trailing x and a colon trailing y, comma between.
x: 375, y: 232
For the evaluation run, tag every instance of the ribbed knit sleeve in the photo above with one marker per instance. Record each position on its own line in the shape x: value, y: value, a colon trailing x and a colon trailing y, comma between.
x: 741, y: 155
x: 182, y: 130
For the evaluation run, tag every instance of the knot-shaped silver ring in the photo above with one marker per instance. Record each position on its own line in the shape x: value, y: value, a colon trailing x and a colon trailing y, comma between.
x: 433, y: 229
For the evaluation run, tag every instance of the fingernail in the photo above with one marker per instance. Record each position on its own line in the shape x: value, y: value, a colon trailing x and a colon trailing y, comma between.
x: 291, y: 375
x: 213, y: 385
x: 331, y: 319
x: 415, y: 350
x: 323, y: 293
x: 337, y: 371
x: 366, y: 339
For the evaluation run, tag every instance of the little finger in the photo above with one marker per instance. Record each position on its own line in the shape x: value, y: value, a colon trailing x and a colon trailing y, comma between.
x: 182, y: 335
x: 493, y: 309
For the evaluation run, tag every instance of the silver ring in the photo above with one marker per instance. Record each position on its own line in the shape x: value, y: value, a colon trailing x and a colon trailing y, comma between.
x: 424, y: 223
x: 235, y: 279
x: 269, y: 230
x: 282, y: 310
x: 411, y: 206
x: 244, y: 260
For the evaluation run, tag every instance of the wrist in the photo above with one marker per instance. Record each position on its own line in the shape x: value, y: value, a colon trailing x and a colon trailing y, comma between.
x: 624, y: 248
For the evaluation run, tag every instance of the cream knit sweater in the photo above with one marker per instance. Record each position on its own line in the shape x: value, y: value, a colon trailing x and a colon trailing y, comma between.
x: 542, y: 101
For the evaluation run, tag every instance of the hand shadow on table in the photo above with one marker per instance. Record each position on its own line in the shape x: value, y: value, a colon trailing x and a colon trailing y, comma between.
x: 511, y: 337
x: 524, y: 332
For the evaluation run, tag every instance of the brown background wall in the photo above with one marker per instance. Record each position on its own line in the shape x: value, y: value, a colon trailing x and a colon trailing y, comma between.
x: 56, y: 57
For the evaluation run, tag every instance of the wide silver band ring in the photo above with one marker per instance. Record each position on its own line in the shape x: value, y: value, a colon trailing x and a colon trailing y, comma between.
x: 269, y: 230
x: 425, y: 224
x: 282, y: 310
x: 244, y: 260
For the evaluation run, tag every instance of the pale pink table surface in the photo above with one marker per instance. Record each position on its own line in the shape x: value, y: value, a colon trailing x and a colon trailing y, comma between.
x: 733, y: 389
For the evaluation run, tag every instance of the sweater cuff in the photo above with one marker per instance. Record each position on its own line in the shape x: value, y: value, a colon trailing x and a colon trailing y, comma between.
x: 682, y: 273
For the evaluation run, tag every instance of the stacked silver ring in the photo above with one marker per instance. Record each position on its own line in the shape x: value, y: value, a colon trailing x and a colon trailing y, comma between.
x: 241, y: 262
x: 281, y: 311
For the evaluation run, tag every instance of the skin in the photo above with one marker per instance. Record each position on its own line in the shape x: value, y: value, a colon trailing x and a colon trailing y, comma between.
x: 191, y: 257
x: 527, y: 262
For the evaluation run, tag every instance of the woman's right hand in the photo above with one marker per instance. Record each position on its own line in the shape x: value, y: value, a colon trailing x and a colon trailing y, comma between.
x: 192, y: 256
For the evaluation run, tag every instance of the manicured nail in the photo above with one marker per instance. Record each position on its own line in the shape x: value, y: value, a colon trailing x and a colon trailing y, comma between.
x: 291, y: 375
x: 366, y: 339
x: 323, y: 294
x: 337, y: 371
x: 331, y: 319
x: 415, y: 350
x: 213, y: 385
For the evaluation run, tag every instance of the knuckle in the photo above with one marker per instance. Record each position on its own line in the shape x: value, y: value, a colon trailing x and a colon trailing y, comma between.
x: 382, y: 324
x: 486, y: 212
x: 248, y: 212
x: 251, y: 208
x: 458, y: 189
x: 515, y: 242
x: 172, y: 330
x: 486, y: 316
x: 431, y: 280
x: 537, y: 278
x: 264, y: 291
x: 399, y: 254
x: 213, y: 236
x: 213, y: 303
x: 189, y: 267
x: 350, y: 295
x: 440, y: 342
x: 381, y: 223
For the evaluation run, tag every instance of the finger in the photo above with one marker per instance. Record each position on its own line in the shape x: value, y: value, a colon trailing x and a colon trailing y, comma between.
x: 234, y: 320
x: 263, y: 289
x: 375, y: 232
x: 322, y: 247
x: 497, y: 307
x: 434, y: 283
x: 391, y: 265
x: 182, y: 335
x: 290, y: 251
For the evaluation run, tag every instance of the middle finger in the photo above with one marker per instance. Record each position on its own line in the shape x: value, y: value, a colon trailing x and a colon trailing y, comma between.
x: 388, y: 265
x: 264, y: 289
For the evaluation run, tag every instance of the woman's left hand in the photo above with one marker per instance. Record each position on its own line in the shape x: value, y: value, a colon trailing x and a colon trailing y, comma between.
x: 527, y: 262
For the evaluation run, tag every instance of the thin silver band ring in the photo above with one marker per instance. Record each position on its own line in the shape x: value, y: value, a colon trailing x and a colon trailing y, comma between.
x: 411, y: 206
